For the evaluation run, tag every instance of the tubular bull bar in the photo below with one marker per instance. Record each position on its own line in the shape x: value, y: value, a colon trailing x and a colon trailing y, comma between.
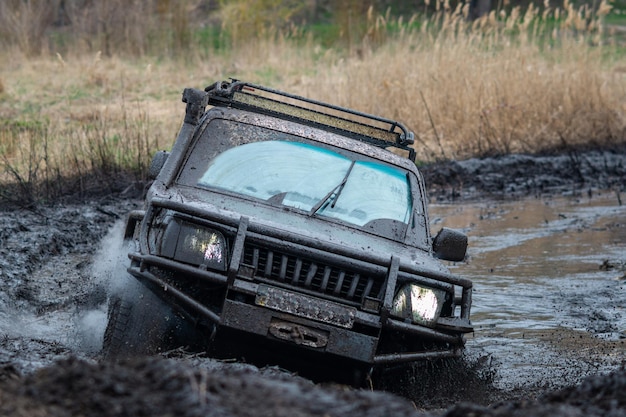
x: 294, y: 326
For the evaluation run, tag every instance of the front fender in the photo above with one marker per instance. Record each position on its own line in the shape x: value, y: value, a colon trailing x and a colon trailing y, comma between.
x: 134, y: 218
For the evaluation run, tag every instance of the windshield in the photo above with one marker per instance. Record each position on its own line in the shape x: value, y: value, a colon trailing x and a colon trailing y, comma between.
x: 313, y: 179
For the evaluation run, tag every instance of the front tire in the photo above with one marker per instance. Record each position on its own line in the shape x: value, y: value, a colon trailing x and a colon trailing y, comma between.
x: 140, y: 323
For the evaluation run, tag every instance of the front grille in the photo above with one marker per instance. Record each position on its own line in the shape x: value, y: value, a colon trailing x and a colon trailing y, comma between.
x: 296, y: 271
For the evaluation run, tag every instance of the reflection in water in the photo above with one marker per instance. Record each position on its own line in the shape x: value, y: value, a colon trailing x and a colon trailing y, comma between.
x: 536, y: 270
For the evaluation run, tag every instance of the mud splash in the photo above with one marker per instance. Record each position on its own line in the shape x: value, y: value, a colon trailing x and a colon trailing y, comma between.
x: 53, y: 297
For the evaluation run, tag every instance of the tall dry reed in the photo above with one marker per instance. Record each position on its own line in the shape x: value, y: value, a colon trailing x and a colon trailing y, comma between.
x: 494, y: 86
x: 522, y: 81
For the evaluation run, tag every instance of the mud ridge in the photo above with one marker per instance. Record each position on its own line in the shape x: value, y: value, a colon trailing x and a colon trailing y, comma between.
x: 519, y: 175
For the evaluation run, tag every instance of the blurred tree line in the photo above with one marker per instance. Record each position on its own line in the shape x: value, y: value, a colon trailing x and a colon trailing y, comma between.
x: 158, y: 26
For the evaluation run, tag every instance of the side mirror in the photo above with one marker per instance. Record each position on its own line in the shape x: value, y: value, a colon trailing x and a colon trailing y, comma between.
x: 450, y: 245
x: 158, y: 160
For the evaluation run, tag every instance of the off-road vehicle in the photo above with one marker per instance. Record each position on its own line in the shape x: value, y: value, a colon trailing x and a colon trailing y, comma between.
x: 284, y: 228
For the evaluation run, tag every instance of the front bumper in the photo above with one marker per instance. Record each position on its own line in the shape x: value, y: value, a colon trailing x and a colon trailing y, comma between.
x: 346, y: 332
x: 323, y: 317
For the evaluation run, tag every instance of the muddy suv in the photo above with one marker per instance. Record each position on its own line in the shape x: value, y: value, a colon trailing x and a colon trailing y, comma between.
x: 290, y: 231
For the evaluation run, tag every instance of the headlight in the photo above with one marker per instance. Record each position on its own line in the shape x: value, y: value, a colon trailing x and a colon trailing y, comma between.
x: 193, y: 244
x: 200, y: 246
x: 419, y: 304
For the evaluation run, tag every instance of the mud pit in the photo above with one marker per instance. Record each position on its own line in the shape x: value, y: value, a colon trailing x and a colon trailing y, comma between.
x: 548, y: 306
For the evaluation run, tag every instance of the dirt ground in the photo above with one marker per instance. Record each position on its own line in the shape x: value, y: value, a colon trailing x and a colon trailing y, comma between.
x: 567, y: 173
x: 52, y: 288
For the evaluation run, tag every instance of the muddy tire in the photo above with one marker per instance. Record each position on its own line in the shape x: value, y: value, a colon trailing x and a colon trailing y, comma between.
x: 140, y: 323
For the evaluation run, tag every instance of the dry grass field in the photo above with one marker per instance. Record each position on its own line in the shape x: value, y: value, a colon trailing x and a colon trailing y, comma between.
x: 533, y: 81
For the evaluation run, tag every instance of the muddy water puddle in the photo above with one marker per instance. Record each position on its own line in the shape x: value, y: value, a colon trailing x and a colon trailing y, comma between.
x: 549, y: 301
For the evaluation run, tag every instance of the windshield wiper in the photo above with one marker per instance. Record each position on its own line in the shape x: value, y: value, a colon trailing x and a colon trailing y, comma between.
x: 335, y: 191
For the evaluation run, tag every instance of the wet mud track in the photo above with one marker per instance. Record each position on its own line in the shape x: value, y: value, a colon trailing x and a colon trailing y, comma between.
x: 557, y: 349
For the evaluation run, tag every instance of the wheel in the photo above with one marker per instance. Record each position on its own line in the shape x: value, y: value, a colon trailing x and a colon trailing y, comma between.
x: 140, y: 323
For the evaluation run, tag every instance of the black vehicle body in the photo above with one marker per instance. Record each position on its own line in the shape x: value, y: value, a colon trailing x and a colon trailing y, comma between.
x: 277, y: 272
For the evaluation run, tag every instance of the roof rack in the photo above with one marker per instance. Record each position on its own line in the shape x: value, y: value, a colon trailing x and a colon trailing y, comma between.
x: 374, y: 130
